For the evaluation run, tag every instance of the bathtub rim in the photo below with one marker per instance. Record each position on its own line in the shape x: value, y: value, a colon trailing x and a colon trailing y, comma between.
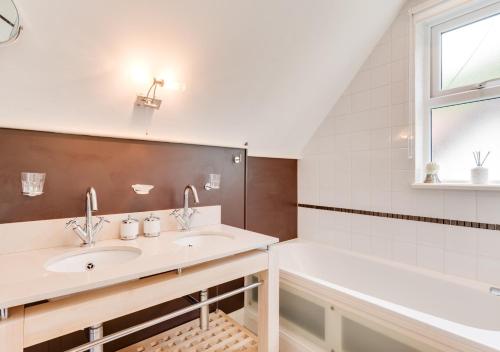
x: 469, y: 283
x: 434, y: 336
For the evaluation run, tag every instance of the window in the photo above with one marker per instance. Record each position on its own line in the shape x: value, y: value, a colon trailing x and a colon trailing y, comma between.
x: 457, y: 130
x: 470, y: 54
x: 457, y: 90
x: 466, y: 52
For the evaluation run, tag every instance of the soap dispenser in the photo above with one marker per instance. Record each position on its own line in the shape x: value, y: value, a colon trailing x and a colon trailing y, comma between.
x: 129, y: 228
x: 152, y: 226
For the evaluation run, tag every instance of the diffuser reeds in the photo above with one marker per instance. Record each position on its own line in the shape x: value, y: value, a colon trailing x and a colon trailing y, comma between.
x: 477, y: 158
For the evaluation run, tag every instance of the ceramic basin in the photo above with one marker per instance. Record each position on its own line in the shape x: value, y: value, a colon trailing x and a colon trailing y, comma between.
x: 91, y: 259
x: 202, y: 239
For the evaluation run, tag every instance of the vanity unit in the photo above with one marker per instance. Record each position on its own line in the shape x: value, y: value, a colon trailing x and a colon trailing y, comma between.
x: 82, y: 287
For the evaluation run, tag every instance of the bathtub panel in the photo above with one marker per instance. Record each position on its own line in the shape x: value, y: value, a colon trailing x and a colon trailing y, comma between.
x: 358, y: 338
x: 419, y: 308
x: 302, y: 312
x: 398, y: 286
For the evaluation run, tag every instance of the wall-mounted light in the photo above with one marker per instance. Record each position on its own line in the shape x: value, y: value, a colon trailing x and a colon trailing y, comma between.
x: 151, y: 101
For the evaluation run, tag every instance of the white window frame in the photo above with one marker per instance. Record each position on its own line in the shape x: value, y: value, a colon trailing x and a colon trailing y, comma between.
x: 427, y: 23
x: 464, y: 93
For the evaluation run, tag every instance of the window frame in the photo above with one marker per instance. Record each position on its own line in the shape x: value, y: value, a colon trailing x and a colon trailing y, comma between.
x: 427, y: 24
x: 448, y: 25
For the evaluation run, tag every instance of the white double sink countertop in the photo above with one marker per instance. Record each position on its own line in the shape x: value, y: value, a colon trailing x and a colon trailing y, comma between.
x: 25, y: 278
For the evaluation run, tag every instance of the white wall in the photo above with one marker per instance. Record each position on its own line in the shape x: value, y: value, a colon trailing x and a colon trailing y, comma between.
x: 358, y: 159
x: 256, y: 71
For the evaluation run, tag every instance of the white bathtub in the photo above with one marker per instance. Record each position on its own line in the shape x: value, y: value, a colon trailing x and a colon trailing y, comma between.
x: 440, y: 312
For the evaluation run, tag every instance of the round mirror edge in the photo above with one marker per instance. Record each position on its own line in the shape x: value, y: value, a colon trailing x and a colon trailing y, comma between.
x: 16, y: 30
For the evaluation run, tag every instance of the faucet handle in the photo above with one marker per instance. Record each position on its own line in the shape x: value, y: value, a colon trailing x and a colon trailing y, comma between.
x: 103, y: 219
x: 70, y: 223
x: 174, y: 212
x: 100, y: 223
x: 192, y: 212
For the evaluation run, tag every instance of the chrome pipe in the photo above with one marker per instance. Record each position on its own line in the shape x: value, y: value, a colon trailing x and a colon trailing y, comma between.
x: 91, y: 206
x: 186, y: 197
x: 204, y: 311
x: 191, y: 299
x: 139, y: 327
x: 4, y: 313
x: 96, y: 332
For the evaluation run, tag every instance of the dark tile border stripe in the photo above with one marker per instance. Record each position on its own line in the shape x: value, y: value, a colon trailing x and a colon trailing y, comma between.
x: 477, y: 225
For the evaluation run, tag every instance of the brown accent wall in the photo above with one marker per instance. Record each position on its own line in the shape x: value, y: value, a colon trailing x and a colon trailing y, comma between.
x: 73, y: 163
x: 111, y: 166
x: 271, y: 204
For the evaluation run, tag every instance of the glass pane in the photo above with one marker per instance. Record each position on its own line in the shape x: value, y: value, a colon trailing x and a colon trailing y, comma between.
x: 303, y: 313
x: 471, y: 54
x: 459, y: 130
x: 5, y: 29
x: 359, y: 338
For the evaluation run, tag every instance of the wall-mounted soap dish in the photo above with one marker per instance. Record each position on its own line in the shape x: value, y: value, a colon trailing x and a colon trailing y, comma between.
x: 142, y: 189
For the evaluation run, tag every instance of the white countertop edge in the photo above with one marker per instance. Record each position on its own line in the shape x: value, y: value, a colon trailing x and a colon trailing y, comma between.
x: 251, y: 241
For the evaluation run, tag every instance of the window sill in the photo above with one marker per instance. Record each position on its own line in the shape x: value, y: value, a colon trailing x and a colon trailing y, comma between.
x: 457, y: 186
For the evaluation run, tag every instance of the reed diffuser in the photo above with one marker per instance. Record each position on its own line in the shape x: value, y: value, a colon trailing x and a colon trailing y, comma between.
x: 479, y: 174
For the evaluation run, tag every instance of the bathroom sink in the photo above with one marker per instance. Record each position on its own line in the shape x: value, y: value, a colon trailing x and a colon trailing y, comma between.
x: 202, y: 239
x: 91, y: 259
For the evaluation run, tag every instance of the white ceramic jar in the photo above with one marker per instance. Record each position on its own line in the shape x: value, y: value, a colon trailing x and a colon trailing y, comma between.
x: 152, y: 226
x: 479, y: 175
x: 129, y: 229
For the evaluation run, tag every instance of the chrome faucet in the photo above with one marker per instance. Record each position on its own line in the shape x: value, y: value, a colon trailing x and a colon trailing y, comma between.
x: 186, y: 217
x: 88, y: 232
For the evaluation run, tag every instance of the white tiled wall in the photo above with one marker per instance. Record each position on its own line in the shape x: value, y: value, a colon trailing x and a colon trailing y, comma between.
x: 358, y: 159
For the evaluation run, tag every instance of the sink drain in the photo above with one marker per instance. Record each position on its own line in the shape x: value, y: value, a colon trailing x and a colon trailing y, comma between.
x: 90, y: 266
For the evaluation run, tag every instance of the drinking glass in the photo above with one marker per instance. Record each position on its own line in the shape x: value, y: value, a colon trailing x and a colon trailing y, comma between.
x: 32, y: 183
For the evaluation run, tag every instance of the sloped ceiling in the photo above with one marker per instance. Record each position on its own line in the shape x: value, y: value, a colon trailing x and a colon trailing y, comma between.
x: 264, y: 72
